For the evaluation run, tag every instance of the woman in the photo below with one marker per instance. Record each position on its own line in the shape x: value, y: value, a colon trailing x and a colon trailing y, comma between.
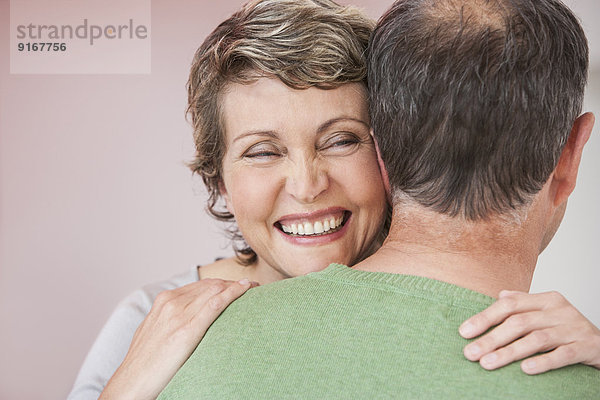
x: 277, y: 91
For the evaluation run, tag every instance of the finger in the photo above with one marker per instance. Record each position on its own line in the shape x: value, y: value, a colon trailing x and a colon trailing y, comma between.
x: 207, y: 285
x: 210, y: 289
x: 511, y: 302
x: 210, y: 286
x: 506, y: 293
x: 535, y: 342
x: 218, y: 302
x: 211, y: 309
x: 508, y: 331
x: 173, y: 309
x: 179, y: 299
x: 171, y: 305
x: 176, y: 295
x: 564, y: 355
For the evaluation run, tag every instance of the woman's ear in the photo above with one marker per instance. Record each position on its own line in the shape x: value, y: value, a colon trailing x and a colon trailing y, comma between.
x: 225, y: 195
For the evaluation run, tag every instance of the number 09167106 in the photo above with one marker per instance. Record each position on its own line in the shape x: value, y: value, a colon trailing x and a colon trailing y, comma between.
x: 43, y: 46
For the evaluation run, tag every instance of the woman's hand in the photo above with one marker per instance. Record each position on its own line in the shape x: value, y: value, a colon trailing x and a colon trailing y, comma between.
x: 529, y: 324
x: 171, y: 331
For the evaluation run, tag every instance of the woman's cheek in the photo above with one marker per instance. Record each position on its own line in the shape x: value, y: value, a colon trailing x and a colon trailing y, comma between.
x: 253, y: 190
x: 366, y: 180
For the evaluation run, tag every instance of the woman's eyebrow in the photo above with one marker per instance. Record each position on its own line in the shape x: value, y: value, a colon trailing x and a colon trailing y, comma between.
x: 333, y: 121
x: 271, y: 134
x: 324, y: 126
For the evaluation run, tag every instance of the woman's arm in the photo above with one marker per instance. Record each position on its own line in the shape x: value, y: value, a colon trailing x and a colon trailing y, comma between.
x: 529, y: 324
x: 113, y: 341
x: 169, y: 334
x: 111, y: 345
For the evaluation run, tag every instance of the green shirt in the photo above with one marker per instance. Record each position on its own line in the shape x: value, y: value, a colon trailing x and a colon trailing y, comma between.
x: 347, y: 334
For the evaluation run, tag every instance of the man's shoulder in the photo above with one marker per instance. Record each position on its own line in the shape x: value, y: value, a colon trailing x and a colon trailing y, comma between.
x: 286, y: 290
x: 278, y: 288
x: 352, y: 335
x: 340, y: 281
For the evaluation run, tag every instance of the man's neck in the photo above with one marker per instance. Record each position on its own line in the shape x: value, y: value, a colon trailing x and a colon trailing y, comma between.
x: 484, y: 257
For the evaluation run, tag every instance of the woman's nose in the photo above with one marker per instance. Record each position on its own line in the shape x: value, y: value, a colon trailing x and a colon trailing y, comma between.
x: 307, y: 180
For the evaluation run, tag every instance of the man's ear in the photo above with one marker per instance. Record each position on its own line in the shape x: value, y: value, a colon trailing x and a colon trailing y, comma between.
x: 564, y: 176
x: 226, y: 197
x: 383, y: 171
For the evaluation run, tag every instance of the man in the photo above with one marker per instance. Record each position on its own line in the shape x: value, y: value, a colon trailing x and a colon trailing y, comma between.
x: 475, y: 109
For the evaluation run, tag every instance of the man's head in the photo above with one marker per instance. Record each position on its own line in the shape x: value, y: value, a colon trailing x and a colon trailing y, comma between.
x: 473, y: 102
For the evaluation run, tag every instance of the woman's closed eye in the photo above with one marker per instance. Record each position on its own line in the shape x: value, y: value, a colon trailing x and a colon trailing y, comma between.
x: 262, y: 151
x: 341, y: 143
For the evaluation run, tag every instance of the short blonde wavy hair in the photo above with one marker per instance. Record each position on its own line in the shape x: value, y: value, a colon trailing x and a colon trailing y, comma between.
x: 304, y: 43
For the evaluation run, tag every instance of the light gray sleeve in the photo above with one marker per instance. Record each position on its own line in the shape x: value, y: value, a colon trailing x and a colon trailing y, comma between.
x: 110, y: 347
x: 113, y: 341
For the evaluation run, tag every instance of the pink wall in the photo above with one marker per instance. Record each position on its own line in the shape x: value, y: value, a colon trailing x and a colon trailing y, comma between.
x: 95, y: 200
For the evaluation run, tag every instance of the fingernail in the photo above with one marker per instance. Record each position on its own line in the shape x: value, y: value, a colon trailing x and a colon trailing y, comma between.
x: 504, y: 293
x: 473, y: 350
x: 466, y: 329
x: 529, y: 365
x: 244, y: 282
x: 489, y: 359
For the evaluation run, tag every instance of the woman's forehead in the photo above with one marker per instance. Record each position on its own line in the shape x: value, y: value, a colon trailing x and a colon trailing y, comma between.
x: 269, y: 104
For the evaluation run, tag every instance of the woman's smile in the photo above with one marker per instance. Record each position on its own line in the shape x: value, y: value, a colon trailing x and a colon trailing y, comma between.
x: 317, y: 228
x: 313, y: 223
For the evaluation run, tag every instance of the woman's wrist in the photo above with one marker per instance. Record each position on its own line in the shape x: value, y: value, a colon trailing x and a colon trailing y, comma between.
x: 127, y: 386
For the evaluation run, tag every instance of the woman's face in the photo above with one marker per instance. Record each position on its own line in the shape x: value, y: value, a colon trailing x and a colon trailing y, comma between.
x: 300, y: 174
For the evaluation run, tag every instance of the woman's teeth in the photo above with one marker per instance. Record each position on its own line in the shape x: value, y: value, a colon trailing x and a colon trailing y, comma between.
x: 316, y: 228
